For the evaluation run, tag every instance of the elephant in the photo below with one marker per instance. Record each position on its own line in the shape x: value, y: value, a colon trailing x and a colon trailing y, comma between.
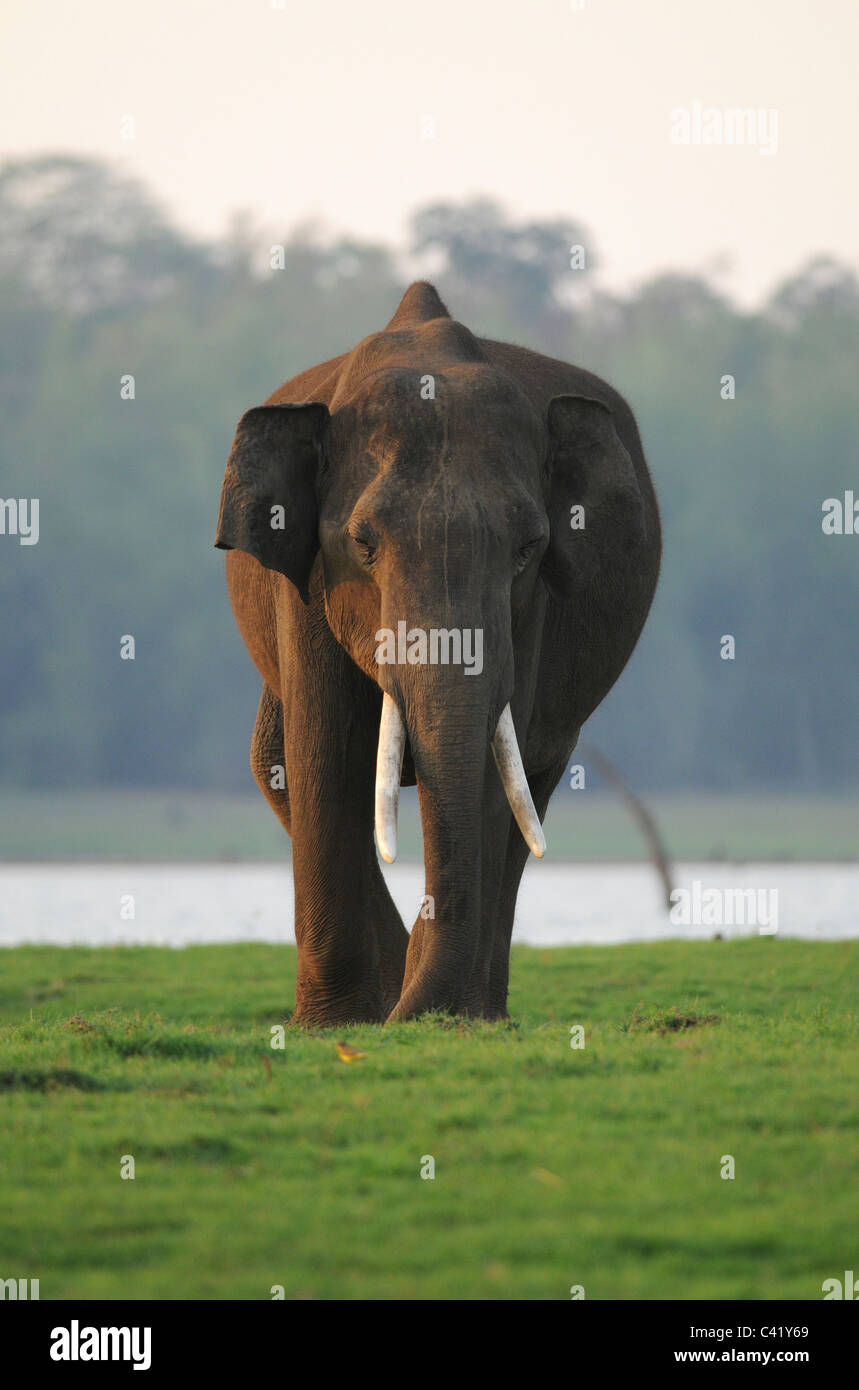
x: 439, y: 547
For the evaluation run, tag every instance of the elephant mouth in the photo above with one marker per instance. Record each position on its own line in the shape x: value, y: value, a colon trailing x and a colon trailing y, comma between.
x: 389, y: 772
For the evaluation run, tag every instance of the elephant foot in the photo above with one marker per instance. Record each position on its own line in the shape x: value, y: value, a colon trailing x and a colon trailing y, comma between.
x: 422, y: 997
x: 413, y: 1006
x: 425, y: 995
x: 313, y: 1017
x: 422, y: 993
x: 431, y: 989
x: 316, y: 1009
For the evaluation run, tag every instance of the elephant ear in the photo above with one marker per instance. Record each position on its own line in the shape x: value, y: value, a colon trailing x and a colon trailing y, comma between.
x: 268, y: 500
x: 596, y: 509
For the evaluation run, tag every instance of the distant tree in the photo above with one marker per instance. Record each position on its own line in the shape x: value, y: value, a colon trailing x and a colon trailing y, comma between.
x: 84, y: 238
x: 822, y: 283
x: 678, y: 299
x: 486, y: 260
x: 95, y: 282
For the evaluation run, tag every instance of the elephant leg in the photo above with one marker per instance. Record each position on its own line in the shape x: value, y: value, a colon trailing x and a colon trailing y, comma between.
x: 351, y: 941
x: 268, y: 764
x: 267, y: 756
x: 542, y: 785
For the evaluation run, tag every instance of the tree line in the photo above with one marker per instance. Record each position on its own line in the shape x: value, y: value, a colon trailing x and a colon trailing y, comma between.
x: 130, y: 349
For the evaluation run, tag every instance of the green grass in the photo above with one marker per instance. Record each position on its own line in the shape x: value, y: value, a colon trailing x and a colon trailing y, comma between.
x: 554, y: 1166
x: 172, y: 825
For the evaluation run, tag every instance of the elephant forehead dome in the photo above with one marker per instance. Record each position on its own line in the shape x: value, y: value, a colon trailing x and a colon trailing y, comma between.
x: 429, y: 348
x: 467, y: 410
x: 419, y: 304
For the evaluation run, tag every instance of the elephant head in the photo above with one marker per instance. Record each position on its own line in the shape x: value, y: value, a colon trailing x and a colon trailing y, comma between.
x: 441, y: 497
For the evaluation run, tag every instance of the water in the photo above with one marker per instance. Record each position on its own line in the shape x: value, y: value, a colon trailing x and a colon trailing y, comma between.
x: 559, y: 904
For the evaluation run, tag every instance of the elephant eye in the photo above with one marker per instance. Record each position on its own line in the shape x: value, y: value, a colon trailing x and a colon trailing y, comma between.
x: 524, y: 554
x: 364, y: 541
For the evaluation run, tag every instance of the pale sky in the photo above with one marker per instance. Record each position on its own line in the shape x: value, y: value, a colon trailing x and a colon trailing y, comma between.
x: 318, y: 111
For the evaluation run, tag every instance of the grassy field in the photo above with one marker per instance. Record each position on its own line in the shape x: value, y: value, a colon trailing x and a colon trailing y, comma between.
x: 581, y: 826
x: 554, y: 1166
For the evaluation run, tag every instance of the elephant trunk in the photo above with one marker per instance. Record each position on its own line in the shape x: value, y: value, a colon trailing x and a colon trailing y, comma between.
x: 448, y: 735
x: 448, y: 722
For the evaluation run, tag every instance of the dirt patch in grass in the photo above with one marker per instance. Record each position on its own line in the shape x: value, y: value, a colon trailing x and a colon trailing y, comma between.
x: 48, y: 1080
x: 665, y: 1021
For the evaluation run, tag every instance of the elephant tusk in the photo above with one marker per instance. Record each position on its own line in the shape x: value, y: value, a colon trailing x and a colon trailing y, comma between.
x: 508, y: 759
x: 389, y: 770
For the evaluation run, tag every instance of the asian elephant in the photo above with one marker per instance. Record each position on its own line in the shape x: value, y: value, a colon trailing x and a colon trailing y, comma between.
x: 442, y: 552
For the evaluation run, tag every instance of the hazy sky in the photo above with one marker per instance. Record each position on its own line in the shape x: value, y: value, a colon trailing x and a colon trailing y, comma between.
x: 320, y: 111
